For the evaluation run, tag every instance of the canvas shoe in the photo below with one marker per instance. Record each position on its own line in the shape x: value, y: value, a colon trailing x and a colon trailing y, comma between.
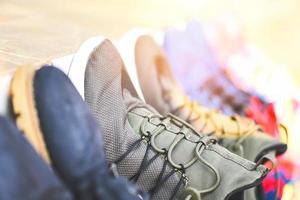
x: 23, y: 174
x: 68, y: 132
x: 164, y: 155
x: 238, y: 134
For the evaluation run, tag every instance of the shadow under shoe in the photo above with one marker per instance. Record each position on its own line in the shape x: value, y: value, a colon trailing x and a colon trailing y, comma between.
x: 23, y: 174
x: 162, y: 154
x: 74, y: 140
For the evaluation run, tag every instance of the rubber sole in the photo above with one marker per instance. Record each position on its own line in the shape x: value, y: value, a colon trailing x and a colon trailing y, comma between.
x: 22, y: 97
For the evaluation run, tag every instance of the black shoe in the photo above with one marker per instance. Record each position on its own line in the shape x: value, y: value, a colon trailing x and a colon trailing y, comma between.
x: 73, y: 139
x: 23, y: 174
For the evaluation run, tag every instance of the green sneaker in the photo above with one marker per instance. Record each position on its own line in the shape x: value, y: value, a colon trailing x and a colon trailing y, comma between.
x: 241, y: 135
x: 238, y: 134
x: 164, y: 155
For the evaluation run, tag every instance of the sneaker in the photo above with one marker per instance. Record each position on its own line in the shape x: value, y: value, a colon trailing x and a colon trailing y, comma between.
x: 23, y: 174
x: 238, y: 134
x: 166, y: 95
x: 22, y: 101
x: 190, y: 55
x: 69, y: 133
x: 164, y: 155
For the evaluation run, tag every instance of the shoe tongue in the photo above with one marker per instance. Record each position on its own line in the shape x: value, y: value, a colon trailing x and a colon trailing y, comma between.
x: 154, y: 72
x: 135, y: 105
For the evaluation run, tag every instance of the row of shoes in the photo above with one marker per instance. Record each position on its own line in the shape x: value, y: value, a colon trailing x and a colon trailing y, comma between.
x: 84, y: 129
x: 227, y: 73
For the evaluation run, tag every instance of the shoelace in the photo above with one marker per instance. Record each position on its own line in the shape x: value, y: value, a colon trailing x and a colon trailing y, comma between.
x: 229, y: 97
x: 149, y: 139
x: 213, y: 117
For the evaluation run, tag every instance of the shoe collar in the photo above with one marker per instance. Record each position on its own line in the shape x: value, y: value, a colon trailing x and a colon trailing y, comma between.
x: 74, y: 65
x: 127, y: 47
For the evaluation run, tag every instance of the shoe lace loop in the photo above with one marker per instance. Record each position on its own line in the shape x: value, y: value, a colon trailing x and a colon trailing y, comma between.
x: 202, y: 143
x: 214, y: 117
x: 149, y: 137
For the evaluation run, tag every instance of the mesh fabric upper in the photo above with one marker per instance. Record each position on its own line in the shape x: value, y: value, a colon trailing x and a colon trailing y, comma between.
x: 104, y: 95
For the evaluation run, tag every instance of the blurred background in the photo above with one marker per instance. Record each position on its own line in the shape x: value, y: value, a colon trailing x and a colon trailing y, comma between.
x: 35, y: 31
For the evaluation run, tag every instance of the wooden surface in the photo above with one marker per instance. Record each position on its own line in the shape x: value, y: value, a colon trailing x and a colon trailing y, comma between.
x: 38, y: 30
